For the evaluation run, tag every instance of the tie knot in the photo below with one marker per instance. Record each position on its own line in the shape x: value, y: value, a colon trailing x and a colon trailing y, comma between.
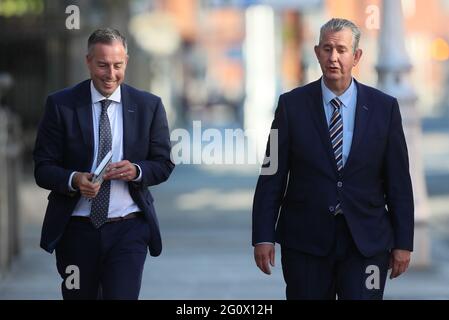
x: 336, y: 103
x: 105, y: 104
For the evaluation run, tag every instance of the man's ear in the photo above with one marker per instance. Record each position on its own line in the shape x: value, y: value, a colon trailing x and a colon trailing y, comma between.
x: 357, y: 55
x: 317, y: 51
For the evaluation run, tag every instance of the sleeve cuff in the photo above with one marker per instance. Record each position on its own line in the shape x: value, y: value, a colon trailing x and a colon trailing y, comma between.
x: 139, y: 175
x: 70, y: 182
x: 264, y: 243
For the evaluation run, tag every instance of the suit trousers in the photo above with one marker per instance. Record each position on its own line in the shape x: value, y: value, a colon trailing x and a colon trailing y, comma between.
x: 109, y: 260
x: 344, y: 273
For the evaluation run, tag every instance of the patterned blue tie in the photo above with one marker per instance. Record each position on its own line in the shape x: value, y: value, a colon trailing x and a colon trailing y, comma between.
x: 100, y: 204
x: 336, y: 135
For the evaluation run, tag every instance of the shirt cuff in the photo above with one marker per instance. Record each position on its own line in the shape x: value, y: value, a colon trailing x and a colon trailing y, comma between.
x: 264, y: 243
x: 70, y: 182
x: 139, y: 177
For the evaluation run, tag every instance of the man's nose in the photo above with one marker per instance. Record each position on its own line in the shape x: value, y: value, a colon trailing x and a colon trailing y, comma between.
x: 334, y: 55
x: 110, y: 71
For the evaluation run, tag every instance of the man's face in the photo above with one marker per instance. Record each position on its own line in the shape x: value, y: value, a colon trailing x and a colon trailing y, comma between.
x: 107, y: 65
x: 336, y: 57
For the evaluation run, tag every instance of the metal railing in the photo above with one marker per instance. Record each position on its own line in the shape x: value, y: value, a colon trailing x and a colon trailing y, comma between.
x: 10, y: 171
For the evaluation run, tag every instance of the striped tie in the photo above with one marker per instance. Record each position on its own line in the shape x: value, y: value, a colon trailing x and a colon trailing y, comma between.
x: 336, y: 135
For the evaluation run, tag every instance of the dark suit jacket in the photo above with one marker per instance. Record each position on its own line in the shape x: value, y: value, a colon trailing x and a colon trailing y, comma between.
x: 294, y: 206
x: 65, y: 143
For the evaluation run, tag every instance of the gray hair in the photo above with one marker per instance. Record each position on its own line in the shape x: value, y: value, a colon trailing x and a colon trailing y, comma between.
x: 338, y: 24
x: 106, y: 36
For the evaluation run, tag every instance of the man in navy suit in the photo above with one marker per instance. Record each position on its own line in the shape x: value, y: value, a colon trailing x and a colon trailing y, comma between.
x: 101, y: 232
x: 341, y: 202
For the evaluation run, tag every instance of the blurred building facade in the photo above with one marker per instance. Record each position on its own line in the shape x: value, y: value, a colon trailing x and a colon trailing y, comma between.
x: 208, y: 68
x: 43, y: 56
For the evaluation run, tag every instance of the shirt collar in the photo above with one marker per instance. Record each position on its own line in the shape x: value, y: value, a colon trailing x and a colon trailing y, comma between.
x: 97, y: 96
x: 345, y: 98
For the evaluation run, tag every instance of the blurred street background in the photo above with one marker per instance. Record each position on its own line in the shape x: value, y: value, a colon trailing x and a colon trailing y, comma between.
x: 224, y: 63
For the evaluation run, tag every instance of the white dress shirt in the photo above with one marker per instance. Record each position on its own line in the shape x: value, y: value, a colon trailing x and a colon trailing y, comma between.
x: 120, y: 201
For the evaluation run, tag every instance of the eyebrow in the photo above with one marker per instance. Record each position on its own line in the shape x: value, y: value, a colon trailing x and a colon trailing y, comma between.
x: 338, y: 46
x: 105, y: 62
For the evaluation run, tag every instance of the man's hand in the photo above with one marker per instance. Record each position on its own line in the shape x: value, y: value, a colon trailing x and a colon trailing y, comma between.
x: 82, y: 182
x: 399, y: 261
x: 123, y: 170
x: 264, y: 256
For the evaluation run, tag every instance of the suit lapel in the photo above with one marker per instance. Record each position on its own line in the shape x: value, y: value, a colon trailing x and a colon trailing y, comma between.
x: 319, y: 117
x: 362, y: 115
x: 84, y: 113
x: 129, y: 120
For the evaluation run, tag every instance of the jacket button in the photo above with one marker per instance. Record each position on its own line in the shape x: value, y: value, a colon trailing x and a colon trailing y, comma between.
x: 339, y: 184
x: 331, y: 209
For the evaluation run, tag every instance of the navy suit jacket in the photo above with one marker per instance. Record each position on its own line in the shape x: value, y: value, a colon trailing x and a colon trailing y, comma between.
x: 65, y: 143
x: 294, y: 206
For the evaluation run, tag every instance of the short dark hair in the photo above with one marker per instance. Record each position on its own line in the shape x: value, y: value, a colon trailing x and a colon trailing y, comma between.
x: 107, y: 36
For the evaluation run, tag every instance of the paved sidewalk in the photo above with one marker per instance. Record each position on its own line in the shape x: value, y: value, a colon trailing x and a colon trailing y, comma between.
x: 207, y: 252
x: 205, y: 219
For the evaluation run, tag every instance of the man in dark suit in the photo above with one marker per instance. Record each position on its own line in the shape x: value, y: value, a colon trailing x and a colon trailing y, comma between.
x: 101, y: 232
x: 341, y: 203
